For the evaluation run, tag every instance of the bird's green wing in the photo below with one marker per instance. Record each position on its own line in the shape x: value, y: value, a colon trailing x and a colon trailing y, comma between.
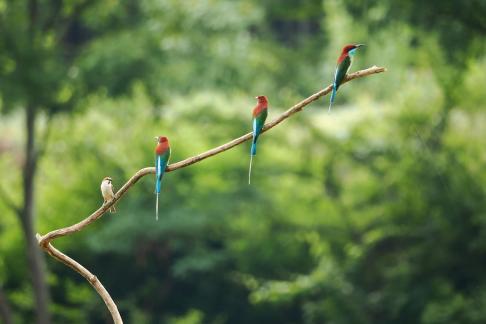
x: 341, y: 71
x: 259, y: 122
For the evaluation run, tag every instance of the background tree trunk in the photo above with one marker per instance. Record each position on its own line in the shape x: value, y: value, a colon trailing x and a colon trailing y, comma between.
x: 35, y: 258
x: 5, y: 311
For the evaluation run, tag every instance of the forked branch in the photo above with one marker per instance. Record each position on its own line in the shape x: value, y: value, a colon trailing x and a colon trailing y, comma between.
x: 45, y: 241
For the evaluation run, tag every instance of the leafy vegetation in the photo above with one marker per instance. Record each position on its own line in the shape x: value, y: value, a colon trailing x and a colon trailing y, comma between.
x: 371, y: 214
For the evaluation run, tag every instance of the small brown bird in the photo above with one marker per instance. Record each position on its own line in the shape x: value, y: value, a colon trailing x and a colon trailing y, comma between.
x: 107, y: 192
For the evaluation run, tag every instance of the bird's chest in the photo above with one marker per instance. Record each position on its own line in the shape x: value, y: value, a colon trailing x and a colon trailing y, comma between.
x: 106, y: 189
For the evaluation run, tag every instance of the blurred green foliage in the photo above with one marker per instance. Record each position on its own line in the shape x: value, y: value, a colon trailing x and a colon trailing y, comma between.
x: 374, y: 213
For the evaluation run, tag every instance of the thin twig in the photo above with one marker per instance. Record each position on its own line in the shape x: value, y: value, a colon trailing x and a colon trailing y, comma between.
x: 44, y: 241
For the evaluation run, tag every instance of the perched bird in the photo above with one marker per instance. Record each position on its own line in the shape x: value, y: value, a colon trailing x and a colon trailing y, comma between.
x: 260, y: 113
x: 107, y: 192
x: 343, y: 64
x: 162, y: 155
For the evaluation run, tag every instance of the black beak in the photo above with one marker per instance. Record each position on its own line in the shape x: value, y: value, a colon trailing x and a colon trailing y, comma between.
x: 359, y: 45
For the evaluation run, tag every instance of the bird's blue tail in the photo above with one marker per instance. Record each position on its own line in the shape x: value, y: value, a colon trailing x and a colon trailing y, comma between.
x: 333, y: 96
x: 252, y: 154
x: 253, y: 148
x: 158, y: 174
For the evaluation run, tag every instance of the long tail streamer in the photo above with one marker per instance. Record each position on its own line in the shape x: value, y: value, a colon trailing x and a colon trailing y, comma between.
x: 333, y: 95
x: 249, y: 171
x: 157, y: 207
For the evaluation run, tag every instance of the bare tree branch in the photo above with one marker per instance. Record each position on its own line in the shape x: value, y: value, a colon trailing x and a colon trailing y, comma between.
x: 296, y: 108
x: 92, y: 279
x: 44, y: 241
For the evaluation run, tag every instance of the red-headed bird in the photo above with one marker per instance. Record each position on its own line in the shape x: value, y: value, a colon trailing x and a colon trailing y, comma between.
x: 260, y: 113
x: 343, y: 64
x: 162, y: 156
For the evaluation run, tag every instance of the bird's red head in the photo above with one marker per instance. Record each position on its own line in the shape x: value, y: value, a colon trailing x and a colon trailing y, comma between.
x: 162, y: 139
x: 348, y: 50
x: 262, y: 99
x: 350, y: 47
x: 162, y: 144
x: 261, y: 105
